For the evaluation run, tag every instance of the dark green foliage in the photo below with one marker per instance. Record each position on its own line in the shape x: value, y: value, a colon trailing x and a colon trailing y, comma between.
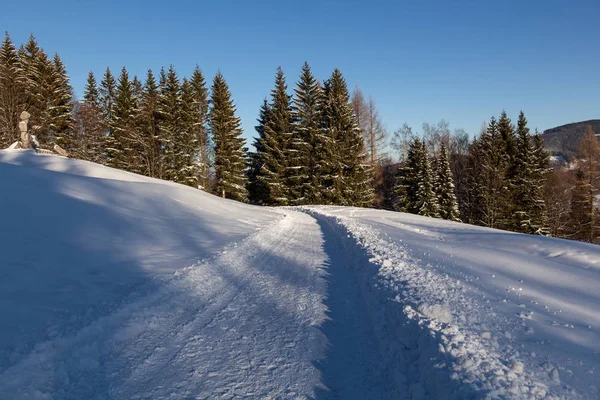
x: 107, y: 95
x: 414, y: 190
x: 91, y: 94
x: 257, y: 190
x: 275, y: 145
x: 347, y: 178
x: 59, y: 102
x: 148, y: 126
x: 526, y: 184
x: 170, y: 122
x: 230, y: 159
x: 119, y: 148
x: 308, y: 154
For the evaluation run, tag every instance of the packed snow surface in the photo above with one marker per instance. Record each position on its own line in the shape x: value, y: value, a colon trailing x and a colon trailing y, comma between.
x: 117, y: 286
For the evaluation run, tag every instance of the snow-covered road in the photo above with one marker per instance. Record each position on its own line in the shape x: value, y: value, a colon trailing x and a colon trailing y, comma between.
x: 279, y: 314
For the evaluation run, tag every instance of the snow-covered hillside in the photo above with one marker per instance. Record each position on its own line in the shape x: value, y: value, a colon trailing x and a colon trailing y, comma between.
x: 116, y: 286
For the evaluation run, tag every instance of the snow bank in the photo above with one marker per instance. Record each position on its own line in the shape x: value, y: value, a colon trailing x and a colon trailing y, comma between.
x: 78, y: 238
x: 451, y: 338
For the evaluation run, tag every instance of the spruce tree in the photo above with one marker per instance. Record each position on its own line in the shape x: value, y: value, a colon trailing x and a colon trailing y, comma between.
x: 12, y: 98
x: 407, y: 179
x: 200, y: 99
x: 526, y: 184
x: 427, y: 204
x: 170, y: 120
x: 348, y: 178
x: 494, y: 176
x: 91, y: 94
x: 444, y: 186
x: 186, y: 142
x: 148, y: 123
x: 107, y: 98
x: 257, y: 189
x: 40, y: 82
x: 275, y: 141
x: 308, y: 156
x: 60, y: 103
x: 225, y: 126
x: 119, y: 148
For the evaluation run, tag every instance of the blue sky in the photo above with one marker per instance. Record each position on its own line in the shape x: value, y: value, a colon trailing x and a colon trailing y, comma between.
x: 421, y: 61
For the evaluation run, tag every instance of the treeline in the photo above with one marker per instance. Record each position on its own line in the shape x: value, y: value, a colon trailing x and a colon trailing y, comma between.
x: 318, y: 145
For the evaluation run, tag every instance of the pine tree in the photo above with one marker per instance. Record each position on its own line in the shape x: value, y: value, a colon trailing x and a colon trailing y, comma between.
x: 200, y: 127
x: 444, y: 187
x: 91, y: 94
x: 257, y: 190
x: 148, y: 123
x: 170, y: 120
x: 414, y: 189
x: 308, y: 155
x: 348, y: 179
x: 427, y: 204
x: 407, y: 179
x: 225, y: 126
x: 119, y: 148
x: 107, y: 94
x: 12, y: 98
x: 526, y: 184
x: 186, y: 143
x: 541, y: 162
x: 60, y: 105
x: 494, y: 177
x: 276, y: 143
x: 40, y: 82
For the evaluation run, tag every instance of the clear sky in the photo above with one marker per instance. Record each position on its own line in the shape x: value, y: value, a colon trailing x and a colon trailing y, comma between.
x: 420, y: 60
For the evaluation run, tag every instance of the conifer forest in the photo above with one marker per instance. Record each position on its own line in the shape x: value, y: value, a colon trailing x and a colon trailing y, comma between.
x: 317, y: 141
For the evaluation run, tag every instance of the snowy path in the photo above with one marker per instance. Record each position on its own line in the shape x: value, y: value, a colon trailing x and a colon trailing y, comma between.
x: 277, y: 315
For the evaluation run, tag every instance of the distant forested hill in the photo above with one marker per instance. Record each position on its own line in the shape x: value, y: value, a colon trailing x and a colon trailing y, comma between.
x: 563, y: 140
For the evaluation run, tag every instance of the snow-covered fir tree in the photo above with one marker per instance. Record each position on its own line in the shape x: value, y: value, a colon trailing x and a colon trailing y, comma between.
x: 230, y: 158
x: 415, y: 181
x: 60, y: 103
x: 524, y: 185
x: 427, y: 204
x: 309, y: 157
x: 348, y: 177
x: 444, y: 186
